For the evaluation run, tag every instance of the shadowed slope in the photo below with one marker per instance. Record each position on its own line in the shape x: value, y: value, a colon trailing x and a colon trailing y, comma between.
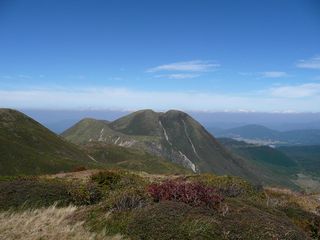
x: 26, y: 147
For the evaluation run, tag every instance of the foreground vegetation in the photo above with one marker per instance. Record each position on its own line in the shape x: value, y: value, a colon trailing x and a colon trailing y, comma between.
x: 117, y: 204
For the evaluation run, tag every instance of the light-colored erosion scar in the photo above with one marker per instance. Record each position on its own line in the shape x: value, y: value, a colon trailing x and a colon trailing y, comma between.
x: 116, y: 141
x: 188, y: 162
x: 165, y: 133
x: 101, y: 135
x: 92, y: 158
x: 189, y: 139
x: 128, y: 143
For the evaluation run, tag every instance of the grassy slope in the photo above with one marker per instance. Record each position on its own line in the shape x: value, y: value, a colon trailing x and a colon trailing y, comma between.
x: 131, y: 159
x: 26, y: 147
x: 86, y: 129
x: 307, y: 157
x: 275, y: 167
x: 125, y: 209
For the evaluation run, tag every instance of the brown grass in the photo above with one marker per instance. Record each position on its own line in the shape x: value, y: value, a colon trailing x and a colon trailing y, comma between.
x: 278, y: 196
x: 46, y: 224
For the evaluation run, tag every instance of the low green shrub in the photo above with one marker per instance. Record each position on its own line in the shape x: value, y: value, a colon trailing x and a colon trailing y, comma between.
x: 307, y: 221
x: 116, y: 179
x: 127, y: 199
x: 172, y: 220
x: 33, y: 192
x: 79, y: 169
x: 84, y: 194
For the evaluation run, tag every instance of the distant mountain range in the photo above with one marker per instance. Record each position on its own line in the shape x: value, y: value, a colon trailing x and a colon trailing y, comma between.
x: 265, y: 136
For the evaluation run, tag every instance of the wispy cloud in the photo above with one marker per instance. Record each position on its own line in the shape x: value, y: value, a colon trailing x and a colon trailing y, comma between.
x: 18, y: 76
x: 77, y: 77
x: 189, y: 66
x: 300, y: 98
x: 297, y: 91
x: 178, y: 76
x: 312, y: 63
x: 266, y: 74
x: 273, y: 74
x: 23, y: 76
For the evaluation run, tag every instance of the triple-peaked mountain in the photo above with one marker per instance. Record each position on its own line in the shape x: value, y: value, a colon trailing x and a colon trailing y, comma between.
x: 173, y: 135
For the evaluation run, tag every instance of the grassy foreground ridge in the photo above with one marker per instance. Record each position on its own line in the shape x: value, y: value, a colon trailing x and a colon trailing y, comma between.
x: 118, y: 204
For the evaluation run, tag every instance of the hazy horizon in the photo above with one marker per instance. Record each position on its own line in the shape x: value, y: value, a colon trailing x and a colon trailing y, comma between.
x: 60, y: 120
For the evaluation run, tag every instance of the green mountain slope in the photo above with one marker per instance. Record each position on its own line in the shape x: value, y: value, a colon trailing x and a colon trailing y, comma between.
x: 173, y: 135
x: 114, y: 156
x: 272, y: 165
x: 306, y: 157
x: 26, y: 147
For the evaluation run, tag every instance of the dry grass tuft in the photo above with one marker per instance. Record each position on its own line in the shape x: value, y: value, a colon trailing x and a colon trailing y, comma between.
x: 283, y: 197
x: 46, y: 224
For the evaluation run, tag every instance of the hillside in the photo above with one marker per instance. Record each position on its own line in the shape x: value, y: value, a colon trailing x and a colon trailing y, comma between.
x: 306, y: 157
x: 276, y: 167
x: 262, y: 135
x: 128, y: 205
x: 172, y: 135
x: 113, y: 156
x: 26, y: 147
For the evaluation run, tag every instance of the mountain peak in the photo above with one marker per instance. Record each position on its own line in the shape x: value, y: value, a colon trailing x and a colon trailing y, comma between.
x: 10, y: 114
x: 173, y: 135
x: 176, y: 114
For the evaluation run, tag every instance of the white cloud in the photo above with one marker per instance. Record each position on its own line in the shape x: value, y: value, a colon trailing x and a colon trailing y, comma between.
x: 24, y: 76
x: 312, y: 63
x: 178, y: 76
x: 296, y: 98
x: 273, y: 74
x: 190, y: 66
x: 297, y: 91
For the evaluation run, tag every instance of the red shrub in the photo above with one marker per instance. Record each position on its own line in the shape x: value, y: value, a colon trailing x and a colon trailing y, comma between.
x: 79, y: 169
x: 194, y: 194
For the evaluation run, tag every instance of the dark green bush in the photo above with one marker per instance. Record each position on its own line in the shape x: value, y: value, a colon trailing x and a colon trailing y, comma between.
x: 33, y: 192
x: 107, y: 179
x: 307, y: 221
x: 172, y: 220
x: 112, y: 180
x: 127, y: 199
x: 85, y: 194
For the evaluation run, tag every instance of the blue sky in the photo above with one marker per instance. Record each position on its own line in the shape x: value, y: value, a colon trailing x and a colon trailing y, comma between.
x: 190, y: 55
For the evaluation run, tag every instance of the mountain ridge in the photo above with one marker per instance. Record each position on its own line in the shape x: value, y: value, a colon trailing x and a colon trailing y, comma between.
x: 27, y: 147
x: 173, y: 134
